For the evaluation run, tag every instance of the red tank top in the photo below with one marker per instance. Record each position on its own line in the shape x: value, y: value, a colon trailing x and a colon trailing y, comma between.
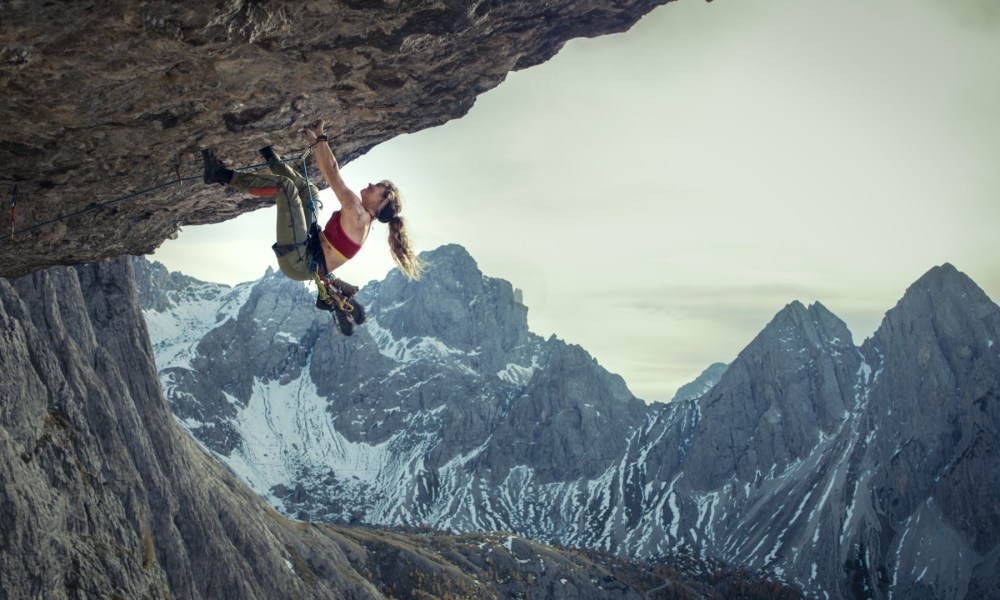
x: 335, y: 234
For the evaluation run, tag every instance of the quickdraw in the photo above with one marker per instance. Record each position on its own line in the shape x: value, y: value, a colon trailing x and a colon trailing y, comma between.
x: 329, y: 292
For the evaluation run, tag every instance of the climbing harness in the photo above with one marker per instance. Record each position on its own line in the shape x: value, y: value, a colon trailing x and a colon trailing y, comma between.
x: 333, y: 294
x: 329, y: 293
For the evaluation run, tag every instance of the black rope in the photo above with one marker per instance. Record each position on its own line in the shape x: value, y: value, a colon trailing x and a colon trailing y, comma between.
x: 119, y: 200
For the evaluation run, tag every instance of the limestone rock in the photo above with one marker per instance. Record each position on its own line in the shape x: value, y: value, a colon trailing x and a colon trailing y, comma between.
x: 106, y: 99
x: 102, y: 494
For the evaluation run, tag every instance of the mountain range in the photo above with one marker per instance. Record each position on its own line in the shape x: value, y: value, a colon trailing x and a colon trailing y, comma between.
x: 104, y: 495
x: 847, y: 471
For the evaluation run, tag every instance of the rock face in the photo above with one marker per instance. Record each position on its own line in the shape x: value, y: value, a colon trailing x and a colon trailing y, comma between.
x: 931, y: 444
x: 102, y: 495
x: 852, y: 472
x: 106, y: 99
x: 702, y: 384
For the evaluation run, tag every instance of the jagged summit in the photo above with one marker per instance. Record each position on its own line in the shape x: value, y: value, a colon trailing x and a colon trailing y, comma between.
x: 945, y: 320
x: 788, y: 387
x: 943, y: 305
x: 940, y: 273
x: 797, y: 327
x: 943, y: 284
x: 448, y: 262
x: 453, y: 303
x: 702, y: 384
x: 455, y: 254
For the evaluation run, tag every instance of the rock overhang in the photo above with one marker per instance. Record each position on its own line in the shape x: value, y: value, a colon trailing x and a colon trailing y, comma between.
x: 104, y: 101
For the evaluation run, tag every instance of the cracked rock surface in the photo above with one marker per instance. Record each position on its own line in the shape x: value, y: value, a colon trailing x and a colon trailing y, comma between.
x: 106, y: 99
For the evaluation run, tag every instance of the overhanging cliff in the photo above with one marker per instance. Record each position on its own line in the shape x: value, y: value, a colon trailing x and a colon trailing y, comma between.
x: 101, y: 494
x: 106, y: 99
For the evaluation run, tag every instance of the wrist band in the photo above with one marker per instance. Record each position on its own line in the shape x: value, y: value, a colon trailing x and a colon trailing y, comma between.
x: 319, y: 138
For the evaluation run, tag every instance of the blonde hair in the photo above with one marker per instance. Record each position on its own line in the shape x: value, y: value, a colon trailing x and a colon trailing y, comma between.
x: 399, y: 241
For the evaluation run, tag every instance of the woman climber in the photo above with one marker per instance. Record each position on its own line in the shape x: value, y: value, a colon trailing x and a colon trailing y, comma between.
x: 302, y: 256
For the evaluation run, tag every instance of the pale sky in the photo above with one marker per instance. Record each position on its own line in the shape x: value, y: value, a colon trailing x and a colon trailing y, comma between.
x: 660, y: 194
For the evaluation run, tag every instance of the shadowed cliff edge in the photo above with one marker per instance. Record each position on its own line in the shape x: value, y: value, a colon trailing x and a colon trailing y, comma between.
x: 106, y: 99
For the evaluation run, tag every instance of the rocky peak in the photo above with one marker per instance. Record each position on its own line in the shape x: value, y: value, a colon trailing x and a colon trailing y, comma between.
x: 936, y: 350
x: 793, y: 382
x: 705, y: 381
x: 797, y: 327
x: 943, y: 303
x: 456, y: 305
x: 944, y: 320
x: 160, y: 289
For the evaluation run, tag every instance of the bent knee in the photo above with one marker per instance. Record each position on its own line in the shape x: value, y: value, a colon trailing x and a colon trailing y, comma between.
x: 295, y: 266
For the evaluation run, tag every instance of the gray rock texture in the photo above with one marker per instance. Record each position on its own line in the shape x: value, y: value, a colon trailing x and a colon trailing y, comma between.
x: 931, y: 445
x: 701, y: 384
x: 105, y: 99
x: 848, y: 471
x: 102, y: 494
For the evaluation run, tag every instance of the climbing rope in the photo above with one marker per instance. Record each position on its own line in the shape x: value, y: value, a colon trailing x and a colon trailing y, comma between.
x: 119, y: 200
x: 13, y: 205
x: 312, y: 203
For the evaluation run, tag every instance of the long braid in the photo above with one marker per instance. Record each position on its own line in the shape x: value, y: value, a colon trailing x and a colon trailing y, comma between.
x: 402, y: 250
x: 399, y: 241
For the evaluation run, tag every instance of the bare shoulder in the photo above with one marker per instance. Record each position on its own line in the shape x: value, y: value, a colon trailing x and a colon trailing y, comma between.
x: 362, y: 216
x: 354, y: 217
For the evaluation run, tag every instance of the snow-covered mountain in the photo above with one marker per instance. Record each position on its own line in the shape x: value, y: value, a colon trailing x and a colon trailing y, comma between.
x: 849, y: 471
x: 702, y: 384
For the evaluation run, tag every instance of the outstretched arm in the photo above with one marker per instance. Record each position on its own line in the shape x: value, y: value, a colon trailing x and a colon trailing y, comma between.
x: 328, y: 166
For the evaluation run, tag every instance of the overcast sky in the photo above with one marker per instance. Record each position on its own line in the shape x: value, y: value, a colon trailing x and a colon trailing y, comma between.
x: 659, y: 195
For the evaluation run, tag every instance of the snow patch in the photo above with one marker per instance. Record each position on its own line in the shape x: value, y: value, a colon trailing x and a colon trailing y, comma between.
x: 408, y: 350
x: 175, y: 333
x: 518, y: 375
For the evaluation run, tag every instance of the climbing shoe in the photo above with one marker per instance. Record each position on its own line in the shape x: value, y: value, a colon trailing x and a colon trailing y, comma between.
x: 358, y: 314
x: 344, y: 322
x: 268, y: 153
x: 323, y: 304
x: 346, y: 288
x: 215, y: 169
